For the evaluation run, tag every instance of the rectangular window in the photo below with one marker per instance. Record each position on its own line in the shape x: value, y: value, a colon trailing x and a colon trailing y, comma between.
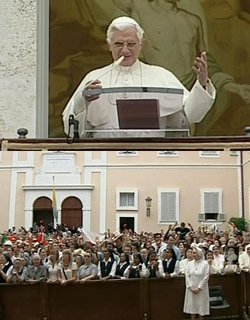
x: 168, y: 154
x: 168, y: 206
x: 127, y: 199
x: 127, y: 153
x: 211, y: 205
x: 210, y: 154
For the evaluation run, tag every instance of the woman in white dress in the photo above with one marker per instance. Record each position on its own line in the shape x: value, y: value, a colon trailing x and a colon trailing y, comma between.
x: 197, y: 293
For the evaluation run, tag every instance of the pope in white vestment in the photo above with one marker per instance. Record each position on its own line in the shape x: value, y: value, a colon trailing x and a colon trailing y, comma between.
x: 99, y: 113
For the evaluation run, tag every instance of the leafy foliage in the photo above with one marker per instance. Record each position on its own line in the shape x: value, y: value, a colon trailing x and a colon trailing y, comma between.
x: 240, y: 223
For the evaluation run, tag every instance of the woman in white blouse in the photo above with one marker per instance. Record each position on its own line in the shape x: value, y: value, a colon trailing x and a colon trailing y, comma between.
x: 67, y: 268
x: 244, y: 259
x: 219, y: 258
x: 52, y: 266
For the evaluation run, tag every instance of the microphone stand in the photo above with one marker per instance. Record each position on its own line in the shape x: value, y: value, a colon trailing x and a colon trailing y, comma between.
x: 75, y: 123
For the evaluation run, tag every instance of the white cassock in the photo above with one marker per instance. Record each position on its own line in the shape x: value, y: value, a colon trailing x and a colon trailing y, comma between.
x: 101, y: 114
x: 197, y: 276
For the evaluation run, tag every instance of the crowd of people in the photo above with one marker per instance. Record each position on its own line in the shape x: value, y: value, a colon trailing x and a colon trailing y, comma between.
x: 67, y: 255
x: 63, y: 255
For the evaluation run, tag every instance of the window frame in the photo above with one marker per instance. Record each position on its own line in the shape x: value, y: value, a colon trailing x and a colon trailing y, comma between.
x: 220, y: 215
x: 119, y: 191
x: 177, y: 204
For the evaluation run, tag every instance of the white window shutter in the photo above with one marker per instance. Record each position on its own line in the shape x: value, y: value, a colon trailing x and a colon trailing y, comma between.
x: 168, y: 206
x: 211, y: 202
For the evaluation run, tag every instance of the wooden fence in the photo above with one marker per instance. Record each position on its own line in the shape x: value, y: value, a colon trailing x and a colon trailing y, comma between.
x: 142, y: 299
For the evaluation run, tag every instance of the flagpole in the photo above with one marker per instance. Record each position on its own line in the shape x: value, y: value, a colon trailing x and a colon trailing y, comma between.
x: 54, y: 204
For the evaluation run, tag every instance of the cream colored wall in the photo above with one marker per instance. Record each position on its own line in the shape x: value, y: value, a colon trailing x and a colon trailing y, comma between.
x: 38, y: 160
x: 20, y: 200
x: 95, y: 203
x: 4, y: 198
x: 189, y: 173
x: 14, y: 167
x: 6, y: 158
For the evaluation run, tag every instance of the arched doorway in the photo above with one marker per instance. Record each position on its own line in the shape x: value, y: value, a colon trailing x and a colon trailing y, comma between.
x: 72, y: 212
x: 42, y: 211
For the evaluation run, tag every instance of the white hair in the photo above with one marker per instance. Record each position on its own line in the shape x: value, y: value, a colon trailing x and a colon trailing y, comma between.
x: 121, y: 24
x: 36, y: 255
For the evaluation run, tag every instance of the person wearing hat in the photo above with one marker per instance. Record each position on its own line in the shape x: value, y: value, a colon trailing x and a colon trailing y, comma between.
x: 9, y: 249
x: 196, y: 300
x: 118, y: 240
x: 8, y: 243
x: 125, y: 38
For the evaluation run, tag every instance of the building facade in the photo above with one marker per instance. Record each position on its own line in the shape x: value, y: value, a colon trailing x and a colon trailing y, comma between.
x: 102, y: 190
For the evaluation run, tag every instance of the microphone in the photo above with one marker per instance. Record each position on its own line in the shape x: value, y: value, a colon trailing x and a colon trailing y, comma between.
x: 72, y: 121
x: 116, y: 63
x: 119, y: 61
x: 75, y: 123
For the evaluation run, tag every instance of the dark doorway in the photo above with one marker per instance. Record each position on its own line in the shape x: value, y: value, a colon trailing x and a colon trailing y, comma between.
x: 42, y: 211
x: 128, y: 223
x: 46, y: 217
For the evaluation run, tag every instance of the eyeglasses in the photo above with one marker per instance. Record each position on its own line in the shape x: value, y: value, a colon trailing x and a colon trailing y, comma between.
x: 130, y: 45
x: 87, y: 256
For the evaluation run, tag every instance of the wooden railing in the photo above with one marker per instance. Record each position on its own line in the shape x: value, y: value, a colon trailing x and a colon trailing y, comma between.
x: 173, y: 143
x: 247, y: 293
x: 143, y: 299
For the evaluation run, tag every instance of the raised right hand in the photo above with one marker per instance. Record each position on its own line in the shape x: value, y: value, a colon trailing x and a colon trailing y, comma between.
x: 94, y: 85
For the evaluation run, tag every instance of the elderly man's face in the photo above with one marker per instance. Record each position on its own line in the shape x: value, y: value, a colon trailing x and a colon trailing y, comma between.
x: 125, y: 43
